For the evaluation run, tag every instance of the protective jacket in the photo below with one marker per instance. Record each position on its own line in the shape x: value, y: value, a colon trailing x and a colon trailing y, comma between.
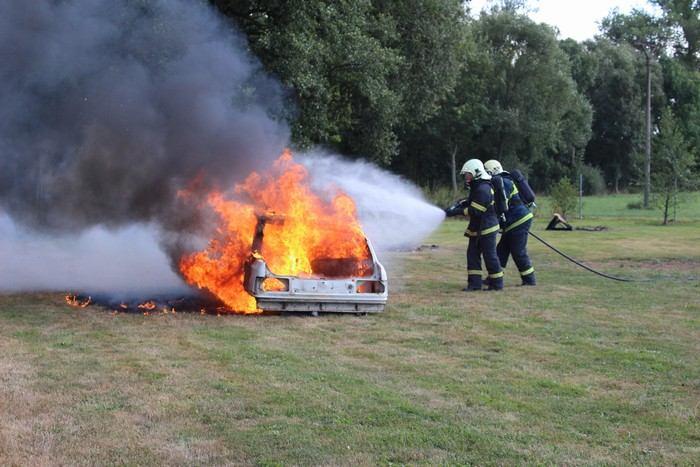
x: 481, y: 209
x: 517, y: 213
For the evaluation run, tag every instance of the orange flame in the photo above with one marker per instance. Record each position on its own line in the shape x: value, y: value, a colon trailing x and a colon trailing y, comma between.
x: 313, y: 235
x: 272, y: 284
x: 148, y: 305
x: 75, y: 300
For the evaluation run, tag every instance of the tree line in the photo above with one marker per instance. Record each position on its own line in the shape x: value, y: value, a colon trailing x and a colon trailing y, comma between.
x: 421, y: 86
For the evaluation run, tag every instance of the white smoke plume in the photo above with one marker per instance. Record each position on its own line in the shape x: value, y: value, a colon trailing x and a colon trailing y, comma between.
x: 121, y: 264
x: 393, y: 212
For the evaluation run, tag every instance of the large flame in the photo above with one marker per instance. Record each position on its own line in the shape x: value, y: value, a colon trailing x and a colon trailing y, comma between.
x: 307, y: 235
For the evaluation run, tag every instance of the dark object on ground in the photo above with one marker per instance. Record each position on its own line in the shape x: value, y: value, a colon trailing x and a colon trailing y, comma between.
x: 558, y: 223
x: 201, y: 304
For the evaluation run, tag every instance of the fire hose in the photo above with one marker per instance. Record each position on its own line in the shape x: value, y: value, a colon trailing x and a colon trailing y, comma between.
x: 588, y: 268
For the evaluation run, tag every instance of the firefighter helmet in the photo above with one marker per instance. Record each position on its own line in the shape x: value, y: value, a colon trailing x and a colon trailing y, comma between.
x: 493, y: 167
x: 476, y: 168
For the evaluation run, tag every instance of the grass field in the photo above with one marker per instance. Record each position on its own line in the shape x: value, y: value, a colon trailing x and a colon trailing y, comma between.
x: 688, y: 209
x: 578, y: 370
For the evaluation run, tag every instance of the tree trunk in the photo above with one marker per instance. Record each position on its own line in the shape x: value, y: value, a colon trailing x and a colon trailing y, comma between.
x: 647, y: 163
x: 667, y: 203
x: 675, y: 197
x: 454, y: 171
x: 573, y: 156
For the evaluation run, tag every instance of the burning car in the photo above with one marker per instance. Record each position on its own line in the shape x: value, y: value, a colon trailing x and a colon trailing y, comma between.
x: 336, y: 285
x: 278, y: 245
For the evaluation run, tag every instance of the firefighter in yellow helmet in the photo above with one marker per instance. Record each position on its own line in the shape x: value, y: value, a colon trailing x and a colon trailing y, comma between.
x: 482, y: 229
x: 518, y: 219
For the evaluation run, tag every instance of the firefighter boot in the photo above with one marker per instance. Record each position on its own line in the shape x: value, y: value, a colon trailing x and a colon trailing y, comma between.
x: 473, y: 283
x: 495, y: 283
x: 529, y: 279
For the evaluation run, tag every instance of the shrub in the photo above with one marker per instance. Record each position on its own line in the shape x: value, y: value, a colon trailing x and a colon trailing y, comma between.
x: 593, y: 180
x: 634, y: 205
x: 563, y: 196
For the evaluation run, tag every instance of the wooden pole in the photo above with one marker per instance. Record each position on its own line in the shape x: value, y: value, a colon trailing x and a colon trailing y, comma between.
x: 647, y: 163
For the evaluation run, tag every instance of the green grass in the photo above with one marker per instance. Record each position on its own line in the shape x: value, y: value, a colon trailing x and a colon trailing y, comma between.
x: 688, y: 208
x: 578, y: 370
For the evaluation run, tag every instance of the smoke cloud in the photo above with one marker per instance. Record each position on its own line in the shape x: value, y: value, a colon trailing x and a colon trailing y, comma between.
x: 108, y: 107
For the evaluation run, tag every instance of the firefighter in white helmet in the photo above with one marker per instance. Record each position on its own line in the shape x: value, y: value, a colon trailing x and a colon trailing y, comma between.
x: 518, y: 219
x: 482, y: 228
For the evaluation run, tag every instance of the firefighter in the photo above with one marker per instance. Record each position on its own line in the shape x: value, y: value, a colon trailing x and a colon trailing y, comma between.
x: 516, y: 226
x: 482, y: 228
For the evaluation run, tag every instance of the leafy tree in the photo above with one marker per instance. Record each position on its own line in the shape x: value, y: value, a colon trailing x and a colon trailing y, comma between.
x: 428, y: 153
x: 584, y: 64
x: 432, y: 37
x: 533, y: 113
x: 615, y: 97
x: 332, y: 54
x: 612, y: 77
x: 673, y: 163
x: 682, y: 86
x: 428, y: 37
x: 514, y: 100
x: 363, y: 74
x: 576, y: 128
x: 648, y: 35
x: 684, y: 15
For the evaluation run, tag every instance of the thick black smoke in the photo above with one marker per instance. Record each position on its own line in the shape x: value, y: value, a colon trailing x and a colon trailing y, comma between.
x: 108, y: 107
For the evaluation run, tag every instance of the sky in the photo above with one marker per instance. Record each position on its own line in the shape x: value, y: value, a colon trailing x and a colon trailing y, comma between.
x: 577, y: 19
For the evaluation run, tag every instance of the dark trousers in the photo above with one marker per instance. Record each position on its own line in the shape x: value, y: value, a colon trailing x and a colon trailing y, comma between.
x: 514, y: 242
x: 483, y: 246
